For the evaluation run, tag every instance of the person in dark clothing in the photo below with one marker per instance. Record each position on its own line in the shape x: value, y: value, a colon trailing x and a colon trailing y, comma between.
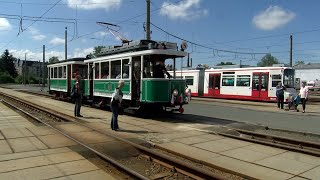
x: 160, y: 70
x: 78, y: 96
x: 280, y: 94
x: 115, y: 105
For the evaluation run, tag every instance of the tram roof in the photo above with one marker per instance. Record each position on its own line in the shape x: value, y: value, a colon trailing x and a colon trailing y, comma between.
x: 170, y: 53
x: 68, y: 61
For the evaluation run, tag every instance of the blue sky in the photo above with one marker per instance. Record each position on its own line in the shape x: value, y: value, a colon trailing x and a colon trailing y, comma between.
x: 232, y: 25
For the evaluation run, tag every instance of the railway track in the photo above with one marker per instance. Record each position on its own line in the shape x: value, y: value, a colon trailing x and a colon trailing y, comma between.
x: 306, y: 147
x: 173, y: 167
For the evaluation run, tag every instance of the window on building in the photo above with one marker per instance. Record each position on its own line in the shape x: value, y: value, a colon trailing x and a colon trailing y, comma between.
x: 97, y: 70
x: 228, y: 80
x: 105, y: 70
x: 276, y: 78
x: 243, y: 80
x: 116, y: 69
x: 125, y: 69
x: 189, y: 80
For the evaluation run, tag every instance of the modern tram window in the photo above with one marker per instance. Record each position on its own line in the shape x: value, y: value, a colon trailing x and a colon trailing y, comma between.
x: 228, y: 80
x: 116, y: 69
x: 255, y: 82
x: 211, y: 81
x: 217, y: 82
x: 288, y: 79
x: 243, y: 80
x: 96, y: 69
x: 125, y: 68
x: 105, y: 70
x: 189, y: 80
x: 264, y: 82
x: 276, y: 78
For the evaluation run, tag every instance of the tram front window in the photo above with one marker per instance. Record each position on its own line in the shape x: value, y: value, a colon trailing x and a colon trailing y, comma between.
x: 288, y: 79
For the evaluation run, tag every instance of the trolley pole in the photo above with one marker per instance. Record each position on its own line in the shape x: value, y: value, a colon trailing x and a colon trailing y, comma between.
x: 148, y: 20
x: 291, y: 50
x: 65, y: 44
x: 43, y: 63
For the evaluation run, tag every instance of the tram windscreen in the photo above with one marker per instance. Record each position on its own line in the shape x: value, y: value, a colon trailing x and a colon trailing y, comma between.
x: 288, y: 79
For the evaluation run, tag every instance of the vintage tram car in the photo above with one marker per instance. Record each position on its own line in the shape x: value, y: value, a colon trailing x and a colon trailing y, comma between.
x: 134, y: 63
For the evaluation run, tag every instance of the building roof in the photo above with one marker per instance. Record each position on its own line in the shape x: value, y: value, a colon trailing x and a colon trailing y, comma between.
x: 307, y: 66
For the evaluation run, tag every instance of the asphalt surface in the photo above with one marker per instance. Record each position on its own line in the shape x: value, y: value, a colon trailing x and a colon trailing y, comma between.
x: 224, y: 115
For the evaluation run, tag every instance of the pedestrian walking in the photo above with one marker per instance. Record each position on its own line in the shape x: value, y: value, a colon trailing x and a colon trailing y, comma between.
x: 116, y: 105
x: 77, y: 95
x: 280, y: 94
x: 303, y: 96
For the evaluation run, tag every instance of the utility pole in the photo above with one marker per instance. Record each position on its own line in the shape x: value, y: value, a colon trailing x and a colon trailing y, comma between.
x: 39, y: 72
x: 25, y: 68
x: 240, y: 63
x: 291, y: 50
x: 148, y: 20
x: 43, y: 63
x: 65, y: 44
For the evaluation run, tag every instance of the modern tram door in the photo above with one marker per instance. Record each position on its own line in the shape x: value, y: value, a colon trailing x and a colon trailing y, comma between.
x: 260, y: 85
x: 214, y: 84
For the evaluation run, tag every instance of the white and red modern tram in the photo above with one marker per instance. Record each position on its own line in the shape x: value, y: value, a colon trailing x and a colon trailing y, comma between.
x: 256, y: 83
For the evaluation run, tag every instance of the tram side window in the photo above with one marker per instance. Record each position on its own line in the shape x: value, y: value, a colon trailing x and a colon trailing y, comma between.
x: 116, y: 69
x: 276, y: 78
x: 96, y: 70
x: 59, y: 72
x: 243, y: 80
x: 52, y: 72
x: 125, y: 69
x: 55, y: 72
x: 64, y: 72
x: 228, y: 80
x: 84, y: 72
x: 105, y: 70
x: 189, y: 80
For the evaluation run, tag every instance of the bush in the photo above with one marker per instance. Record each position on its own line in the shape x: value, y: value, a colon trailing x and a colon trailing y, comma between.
x: 6, y: 78
x: 19, y: 79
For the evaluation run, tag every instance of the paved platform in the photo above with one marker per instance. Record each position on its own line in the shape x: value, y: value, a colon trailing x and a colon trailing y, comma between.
x: 195, y: 141
x: 31, y: 152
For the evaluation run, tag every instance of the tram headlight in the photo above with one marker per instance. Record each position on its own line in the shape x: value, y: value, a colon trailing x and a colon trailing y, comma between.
x: 175, y: 92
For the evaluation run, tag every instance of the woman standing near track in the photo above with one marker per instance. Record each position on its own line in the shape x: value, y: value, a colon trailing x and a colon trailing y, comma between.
x: 303, y: 96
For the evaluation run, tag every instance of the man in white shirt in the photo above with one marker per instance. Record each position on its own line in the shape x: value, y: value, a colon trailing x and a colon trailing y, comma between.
x: 303, y: 96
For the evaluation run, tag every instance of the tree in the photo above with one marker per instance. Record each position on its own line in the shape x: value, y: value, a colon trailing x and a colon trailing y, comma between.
x: 53, y: 59
x: 268, y: 60
x: 7, y: 63
x: 97, y: 50
x: 299, y: 62
x: 225, y: 63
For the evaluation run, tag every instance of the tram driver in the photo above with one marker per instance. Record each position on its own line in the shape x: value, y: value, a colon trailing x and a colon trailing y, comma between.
x: 160, y: 70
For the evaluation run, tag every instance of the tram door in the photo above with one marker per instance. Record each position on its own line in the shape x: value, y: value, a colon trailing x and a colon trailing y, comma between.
x: 260, y: 85
x: 214, y: 84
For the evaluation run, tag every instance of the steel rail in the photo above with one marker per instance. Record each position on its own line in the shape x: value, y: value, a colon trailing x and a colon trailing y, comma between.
x: 178, y: 164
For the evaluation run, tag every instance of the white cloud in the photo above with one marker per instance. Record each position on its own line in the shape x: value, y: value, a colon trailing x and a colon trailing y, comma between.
x: 101, y: 33
x: 94, y: 4
x: 82, y: 52
x: 36, y: 56
x: 33, y: 31
x: 272, y: 18
x: 57, y: 41
x: 4, y: 24
x: 38, y: 37
x: 186, y: 10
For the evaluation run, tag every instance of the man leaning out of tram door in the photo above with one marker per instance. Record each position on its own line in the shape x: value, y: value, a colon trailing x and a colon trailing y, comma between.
x: 160, y: 70
x: 280, y: 94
